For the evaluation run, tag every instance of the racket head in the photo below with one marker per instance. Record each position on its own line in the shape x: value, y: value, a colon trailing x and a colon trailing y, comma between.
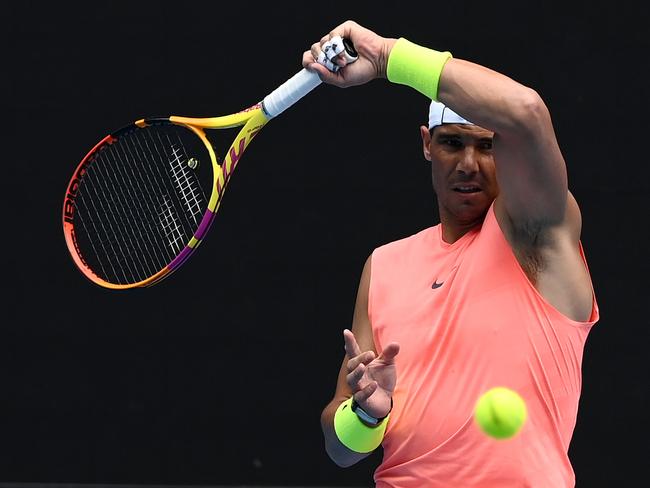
x: 141, y: 201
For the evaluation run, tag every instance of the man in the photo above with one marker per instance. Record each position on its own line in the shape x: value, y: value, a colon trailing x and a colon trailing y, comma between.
x: 497, y: 294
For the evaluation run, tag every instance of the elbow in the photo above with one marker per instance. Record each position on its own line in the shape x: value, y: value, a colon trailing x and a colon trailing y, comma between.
x: 337, y: 452
x: 341, y: 462
x: 529, y: 112
x: 340, y: 455
x: 332, y: 447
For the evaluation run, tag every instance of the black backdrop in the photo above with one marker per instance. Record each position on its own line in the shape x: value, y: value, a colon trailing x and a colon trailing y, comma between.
x: 218, y: 375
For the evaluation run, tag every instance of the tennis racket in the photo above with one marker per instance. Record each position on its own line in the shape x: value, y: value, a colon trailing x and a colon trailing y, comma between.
x: 143, y: 199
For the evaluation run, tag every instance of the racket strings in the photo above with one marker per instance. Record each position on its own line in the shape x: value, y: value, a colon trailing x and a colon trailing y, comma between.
x: 115, y: 212
x: 169, y: 224
x: 184, y: 184
x: 170, y: 228
x: 139, y: 203
x: 134, y: 204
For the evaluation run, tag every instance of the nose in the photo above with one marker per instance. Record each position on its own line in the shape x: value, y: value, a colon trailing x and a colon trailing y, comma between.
x: 468, y: 163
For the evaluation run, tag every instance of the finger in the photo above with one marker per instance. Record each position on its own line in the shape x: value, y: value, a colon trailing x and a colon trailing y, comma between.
x: 340, y: 51
x: 336, y: 50
x: 307, y: 59
x: 355, y: 376
x: 347, y: 54
x: 389, y: 353
x: 363, y: 358
x: 352, y: 349
x: 340, y: 61
x: 333, y: 47
x: 315, y: 50
x: 309, y: 62
x: 343, y: 30
x: 322, y: 59
x: 364, y: 393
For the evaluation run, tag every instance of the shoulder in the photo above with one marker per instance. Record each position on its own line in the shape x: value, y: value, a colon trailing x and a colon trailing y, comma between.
x: 397, y: 246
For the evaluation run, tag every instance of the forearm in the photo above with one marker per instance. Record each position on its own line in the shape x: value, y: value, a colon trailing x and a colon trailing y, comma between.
x: 488, y: 98
x: 340, y: 454
x: 479, y: 94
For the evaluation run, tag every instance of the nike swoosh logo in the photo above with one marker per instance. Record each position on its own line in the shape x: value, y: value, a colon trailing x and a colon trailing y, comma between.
x: 437, y: 285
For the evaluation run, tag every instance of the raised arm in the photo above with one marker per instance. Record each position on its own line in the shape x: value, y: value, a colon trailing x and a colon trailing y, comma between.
x: 531, y: 171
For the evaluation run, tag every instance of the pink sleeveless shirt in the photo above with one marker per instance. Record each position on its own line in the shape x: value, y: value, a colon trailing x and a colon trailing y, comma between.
x: 467, y: 319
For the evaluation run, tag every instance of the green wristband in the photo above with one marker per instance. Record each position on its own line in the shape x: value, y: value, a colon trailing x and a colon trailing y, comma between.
x: 353, y: 433
x: 416, y: 66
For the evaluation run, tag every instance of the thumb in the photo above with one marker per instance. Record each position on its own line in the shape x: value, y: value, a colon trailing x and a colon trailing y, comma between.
x: 389, y: 353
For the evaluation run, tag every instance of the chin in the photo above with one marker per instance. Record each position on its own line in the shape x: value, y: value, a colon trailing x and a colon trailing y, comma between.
x: 472, y: 211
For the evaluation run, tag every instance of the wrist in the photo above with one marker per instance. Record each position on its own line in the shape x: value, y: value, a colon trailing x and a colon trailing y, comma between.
x: 368, y: 418
x: 389, y: 43
x: 416, y: 66
x: 355, y: 434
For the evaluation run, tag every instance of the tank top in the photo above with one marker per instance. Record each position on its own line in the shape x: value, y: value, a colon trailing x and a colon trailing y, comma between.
x: 468, y: 319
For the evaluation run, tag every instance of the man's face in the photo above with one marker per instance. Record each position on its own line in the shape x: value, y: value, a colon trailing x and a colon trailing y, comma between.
x: 463, y: 171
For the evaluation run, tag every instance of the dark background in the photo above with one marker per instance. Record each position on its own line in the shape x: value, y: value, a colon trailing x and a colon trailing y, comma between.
x: 218, y: 375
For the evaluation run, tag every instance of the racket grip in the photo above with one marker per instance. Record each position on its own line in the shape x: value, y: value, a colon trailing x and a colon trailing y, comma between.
x: 290, y: 92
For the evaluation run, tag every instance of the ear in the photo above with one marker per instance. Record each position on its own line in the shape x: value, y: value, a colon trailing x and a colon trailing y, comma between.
x: 426, y: 142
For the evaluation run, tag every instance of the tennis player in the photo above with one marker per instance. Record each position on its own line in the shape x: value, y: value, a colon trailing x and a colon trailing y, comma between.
x: 498, y: 293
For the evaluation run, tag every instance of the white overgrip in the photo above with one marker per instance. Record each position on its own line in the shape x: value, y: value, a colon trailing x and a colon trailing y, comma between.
x: 290, y: 92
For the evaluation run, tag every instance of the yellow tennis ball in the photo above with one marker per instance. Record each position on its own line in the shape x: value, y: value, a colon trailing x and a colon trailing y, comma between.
x: 500, y: 412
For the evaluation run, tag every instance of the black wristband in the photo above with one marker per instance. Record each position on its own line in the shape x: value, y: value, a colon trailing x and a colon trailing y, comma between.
x: 365, y: 416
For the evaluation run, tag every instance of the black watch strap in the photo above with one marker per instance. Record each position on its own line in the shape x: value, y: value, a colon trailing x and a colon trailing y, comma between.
x: 365, y: 416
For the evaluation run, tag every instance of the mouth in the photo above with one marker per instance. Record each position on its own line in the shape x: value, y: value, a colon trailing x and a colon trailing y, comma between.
x: 467, y: 189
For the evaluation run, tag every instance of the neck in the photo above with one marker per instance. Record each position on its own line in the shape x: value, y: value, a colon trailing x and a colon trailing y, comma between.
x: 454, y: 228
x: 451, y: 235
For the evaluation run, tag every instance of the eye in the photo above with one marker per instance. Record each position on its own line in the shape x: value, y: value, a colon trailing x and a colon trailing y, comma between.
x: 485, y: 145
x: 451, y: 141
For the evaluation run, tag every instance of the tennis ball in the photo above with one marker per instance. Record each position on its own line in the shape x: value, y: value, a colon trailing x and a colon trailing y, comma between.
x: 500, y: 412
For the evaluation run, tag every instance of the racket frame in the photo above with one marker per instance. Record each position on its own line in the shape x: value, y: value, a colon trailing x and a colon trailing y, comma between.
x: 251, y: 120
